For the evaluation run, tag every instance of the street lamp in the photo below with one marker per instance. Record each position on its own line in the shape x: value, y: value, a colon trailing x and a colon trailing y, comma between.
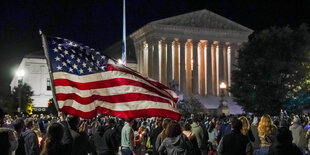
x: 20, y: 74
x: 223, y: 107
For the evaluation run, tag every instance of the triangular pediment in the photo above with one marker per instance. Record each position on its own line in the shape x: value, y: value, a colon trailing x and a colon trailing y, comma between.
x: 202, y: 19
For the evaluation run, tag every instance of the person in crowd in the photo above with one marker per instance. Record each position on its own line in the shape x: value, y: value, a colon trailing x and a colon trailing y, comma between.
x: 298, y: 133
x: 141, y: 141
x: 199, y: 134
x: 160, y: 138
x: 266, y: 133
x: 283, y: 144
x: 175, y: 143
x: 254, y: 125
x: 1, y: 117
x: 284, y: 123
x: 53, y: 144
x: 75, y: 135
x: 106, y: 138
x: 127, y: 138
x: 31, y: 142
x: 19, y: 126
x: 212, y: 133
x: 225, y: 127
x: 246, y: 128
x: 235, y: 143
x: 154, y: 133
x: 192, y: 138
x: 8, y: 141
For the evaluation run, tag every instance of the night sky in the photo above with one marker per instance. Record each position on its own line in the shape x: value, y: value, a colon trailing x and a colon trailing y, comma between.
x: 98, y: 23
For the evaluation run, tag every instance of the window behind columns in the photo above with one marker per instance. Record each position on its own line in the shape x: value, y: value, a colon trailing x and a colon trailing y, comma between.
x: 215, y: 66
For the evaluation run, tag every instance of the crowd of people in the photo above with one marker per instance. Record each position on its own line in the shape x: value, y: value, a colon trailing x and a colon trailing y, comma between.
x: 194, y: 135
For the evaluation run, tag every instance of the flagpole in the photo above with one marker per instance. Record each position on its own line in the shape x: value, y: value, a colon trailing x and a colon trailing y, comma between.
x: 124, y: 56
x: 45, y: 47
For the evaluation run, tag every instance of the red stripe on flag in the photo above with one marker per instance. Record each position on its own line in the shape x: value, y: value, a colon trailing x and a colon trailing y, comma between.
x: 106, y: 84
x: 123, y: 114
x: 130, y: 71
x: 129, y: 97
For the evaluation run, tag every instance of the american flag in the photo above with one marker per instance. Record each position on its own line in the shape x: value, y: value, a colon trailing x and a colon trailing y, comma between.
x: 87, y: 82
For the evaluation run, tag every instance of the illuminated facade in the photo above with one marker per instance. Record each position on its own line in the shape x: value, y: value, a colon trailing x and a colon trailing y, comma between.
x: 196, y: 51
x: 36, y: 75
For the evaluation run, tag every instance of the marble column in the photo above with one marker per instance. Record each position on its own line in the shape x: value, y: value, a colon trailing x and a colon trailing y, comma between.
x: 145, y: 59
x: 176, y: 62
x: 202, y: 68
x: 169, y: 60
x: 182, y: 46
x: 195, y: 67
x: 188, y: 64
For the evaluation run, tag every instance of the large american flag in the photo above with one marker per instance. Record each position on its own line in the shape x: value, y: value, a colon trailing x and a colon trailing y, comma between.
x: 88, y: 82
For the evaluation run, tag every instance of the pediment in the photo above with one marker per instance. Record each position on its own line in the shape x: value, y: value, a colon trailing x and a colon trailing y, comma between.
x: 202, y: 19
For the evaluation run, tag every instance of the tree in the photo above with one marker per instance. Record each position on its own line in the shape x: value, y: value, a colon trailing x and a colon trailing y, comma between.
x: 272, y: 67
x: 25, y: 95
x: 189, y: 106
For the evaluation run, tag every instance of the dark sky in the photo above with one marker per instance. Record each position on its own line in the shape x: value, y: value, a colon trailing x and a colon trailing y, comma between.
x: 98, y: 23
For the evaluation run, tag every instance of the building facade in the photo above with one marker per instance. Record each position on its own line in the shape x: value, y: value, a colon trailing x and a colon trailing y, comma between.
x: 196, y: 51
x: 36, y: 75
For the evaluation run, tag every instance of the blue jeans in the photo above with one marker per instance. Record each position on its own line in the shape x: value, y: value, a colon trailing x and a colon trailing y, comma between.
x: 126, y: 151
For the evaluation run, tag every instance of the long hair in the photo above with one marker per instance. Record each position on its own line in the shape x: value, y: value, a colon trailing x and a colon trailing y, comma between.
x: 245, y: 125
x: 53, y: 142
x: 265, y: 126
x: 165, y: 124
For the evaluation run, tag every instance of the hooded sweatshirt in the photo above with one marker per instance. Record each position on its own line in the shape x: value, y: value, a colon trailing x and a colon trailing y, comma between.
x: 175, y: 145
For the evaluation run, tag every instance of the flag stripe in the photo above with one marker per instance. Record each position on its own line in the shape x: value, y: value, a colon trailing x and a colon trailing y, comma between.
x: 129, y: 97
x: 134, y: 105
x: 124, y: 114
x: 129, y: 71
x: 107, y: 76
x: 105, y: 91
x: 105, y: 84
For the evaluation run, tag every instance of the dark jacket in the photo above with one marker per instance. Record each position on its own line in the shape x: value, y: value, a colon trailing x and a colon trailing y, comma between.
x: 107, y: 141
x: 79, y: 142
x: 234, y: 144
x: 179, y: 145
x: 21, y: 146
x: 31, y: 142
x: 284, y: 149
x: 155, y: 132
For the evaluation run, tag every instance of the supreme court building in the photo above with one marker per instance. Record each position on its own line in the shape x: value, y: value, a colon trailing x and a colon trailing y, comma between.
x: 197, y: 51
